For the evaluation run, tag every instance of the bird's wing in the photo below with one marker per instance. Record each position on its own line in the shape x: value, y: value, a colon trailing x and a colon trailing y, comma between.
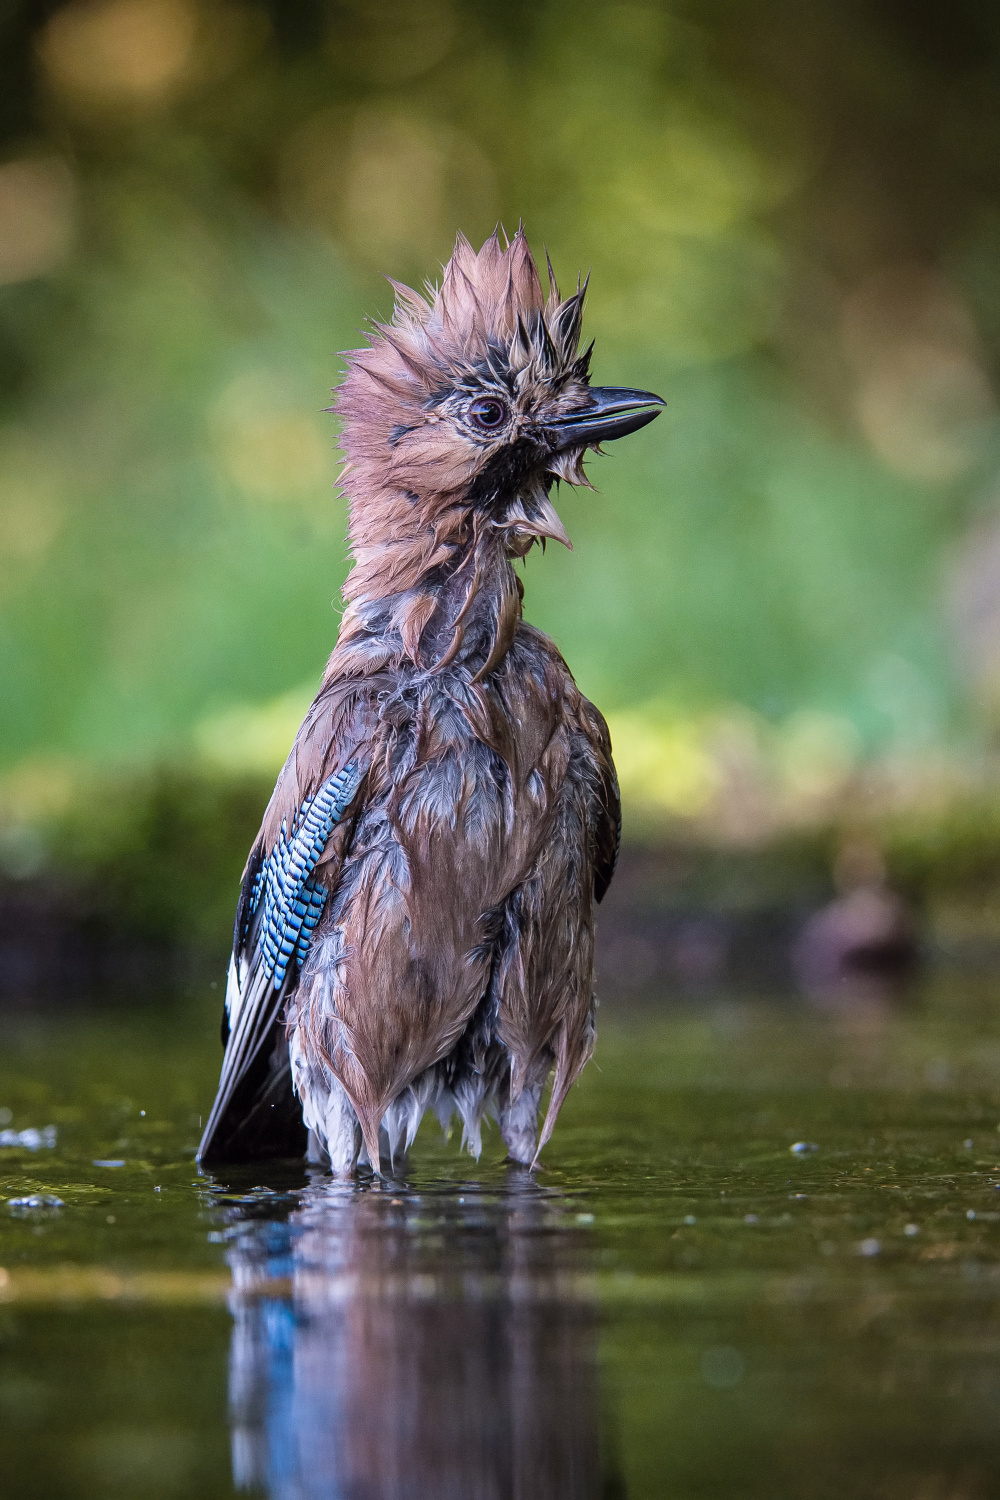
x: 282, y: 899
x: 586, y: 720
x: 608, y: 806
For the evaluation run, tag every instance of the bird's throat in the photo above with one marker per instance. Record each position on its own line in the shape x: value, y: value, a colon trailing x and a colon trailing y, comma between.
x: 459, y: 610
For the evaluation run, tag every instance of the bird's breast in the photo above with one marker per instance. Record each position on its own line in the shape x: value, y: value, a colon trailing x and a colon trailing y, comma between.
x: 467, y: 788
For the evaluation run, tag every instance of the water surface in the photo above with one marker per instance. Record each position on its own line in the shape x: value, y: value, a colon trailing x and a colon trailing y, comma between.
x: 761, y: 1260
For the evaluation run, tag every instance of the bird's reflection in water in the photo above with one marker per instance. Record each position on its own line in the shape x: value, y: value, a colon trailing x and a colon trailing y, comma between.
x: 396, y: 1343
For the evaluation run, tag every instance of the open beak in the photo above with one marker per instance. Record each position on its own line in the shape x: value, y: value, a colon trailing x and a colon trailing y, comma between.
x: 614, y: 412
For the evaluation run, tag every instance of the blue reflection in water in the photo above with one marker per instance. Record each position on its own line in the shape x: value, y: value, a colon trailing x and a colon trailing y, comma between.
x: 395, y: 1343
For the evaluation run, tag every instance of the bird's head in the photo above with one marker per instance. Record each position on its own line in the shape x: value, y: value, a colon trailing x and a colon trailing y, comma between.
x: 466, y: 407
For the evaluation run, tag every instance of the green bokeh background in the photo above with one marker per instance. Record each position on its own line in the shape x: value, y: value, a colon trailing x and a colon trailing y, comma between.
x: 790, y: 212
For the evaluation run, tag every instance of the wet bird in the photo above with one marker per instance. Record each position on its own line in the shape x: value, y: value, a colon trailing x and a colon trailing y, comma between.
x: 416, y: 924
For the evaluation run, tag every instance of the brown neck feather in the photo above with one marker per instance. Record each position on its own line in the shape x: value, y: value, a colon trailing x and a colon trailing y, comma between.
x: 431, y: 586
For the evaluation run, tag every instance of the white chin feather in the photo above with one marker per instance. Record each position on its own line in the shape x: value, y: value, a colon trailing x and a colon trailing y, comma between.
x: 569, y: 467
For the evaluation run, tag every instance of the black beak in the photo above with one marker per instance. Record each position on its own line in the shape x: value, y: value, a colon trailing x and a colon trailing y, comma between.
x: 614, y: 412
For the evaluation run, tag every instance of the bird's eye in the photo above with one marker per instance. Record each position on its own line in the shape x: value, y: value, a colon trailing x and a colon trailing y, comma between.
x: 488, y: 413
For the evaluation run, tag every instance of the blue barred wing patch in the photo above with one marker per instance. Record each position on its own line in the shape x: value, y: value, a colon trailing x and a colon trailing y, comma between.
x: 293, y: 900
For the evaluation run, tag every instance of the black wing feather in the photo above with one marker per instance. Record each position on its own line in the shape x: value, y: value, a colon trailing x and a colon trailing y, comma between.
x: 609, y: 831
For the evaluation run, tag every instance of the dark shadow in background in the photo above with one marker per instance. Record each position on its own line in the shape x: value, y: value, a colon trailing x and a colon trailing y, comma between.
x: 392, y: 1343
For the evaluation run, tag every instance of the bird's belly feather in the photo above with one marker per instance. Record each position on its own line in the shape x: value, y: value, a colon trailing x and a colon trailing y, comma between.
x: 456, y: 948
x: 401, y: 958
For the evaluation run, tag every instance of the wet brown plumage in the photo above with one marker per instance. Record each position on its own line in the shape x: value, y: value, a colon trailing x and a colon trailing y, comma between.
x: 453, y: 892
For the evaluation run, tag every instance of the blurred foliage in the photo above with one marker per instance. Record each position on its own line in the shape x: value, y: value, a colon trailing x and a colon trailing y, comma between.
x: 161, y: 857
x: 792, y: 217
x: 150, y: 864
x: 127, y: 883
